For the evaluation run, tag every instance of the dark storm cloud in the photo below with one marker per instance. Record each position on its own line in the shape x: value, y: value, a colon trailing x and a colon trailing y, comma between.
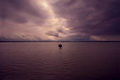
x: 91, y: 17
x: 61, y: 31
x: 15, y: 10
x: 18, y: 18
x: 87, y: 19
x: 52, y: 34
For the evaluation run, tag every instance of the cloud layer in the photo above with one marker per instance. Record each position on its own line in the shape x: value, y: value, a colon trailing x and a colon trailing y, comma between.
x: 74, y: 20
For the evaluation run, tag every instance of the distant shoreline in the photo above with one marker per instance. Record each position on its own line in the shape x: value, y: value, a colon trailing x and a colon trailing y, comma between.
x: 59, y: 41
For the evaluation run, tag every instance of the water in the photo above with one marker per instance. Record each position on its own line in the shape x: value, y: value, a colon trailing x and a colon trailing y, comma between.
x: 45, y: 61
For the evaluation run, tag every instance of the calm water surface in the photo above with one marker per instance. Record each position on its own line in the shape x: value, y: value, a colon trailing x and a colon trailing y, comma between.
x: 45, y: 61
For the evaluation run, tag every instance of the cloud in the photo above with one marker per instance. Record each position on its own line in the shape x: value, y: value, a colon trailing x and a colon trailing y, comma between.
x: 60, y: 20
x: 21, y: 11
x: 93, y: 18
x: 20, y: 20
x: 52, y: 34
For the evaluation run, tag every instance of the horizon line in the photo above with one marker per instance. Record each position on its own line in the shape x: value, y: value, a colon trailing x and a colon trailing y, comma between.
x: 59, y: 41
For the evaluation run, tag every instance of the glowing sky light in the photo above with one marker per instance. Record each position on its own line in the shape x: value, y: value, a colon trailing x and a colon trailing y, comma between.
x: 70, y: 20
x: 53, y: 22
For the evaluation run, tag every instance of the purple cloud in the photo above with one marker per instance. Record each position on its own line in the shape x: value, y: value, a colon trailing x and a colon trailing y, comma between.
x: 87, y: 20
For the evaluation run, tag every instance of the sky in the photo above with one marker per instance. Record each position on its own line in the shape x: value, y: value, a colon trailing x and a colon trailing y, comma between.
x: 59, y: 20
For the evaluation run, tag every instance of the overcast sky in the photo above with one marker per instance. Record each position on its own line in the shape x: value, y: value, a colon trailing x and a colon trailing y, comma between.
x: 70, y: 20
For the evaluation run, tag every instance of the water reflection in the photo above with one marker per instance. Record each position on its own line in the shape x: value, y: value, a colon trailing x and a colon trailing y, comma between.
x: 45, y: 61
